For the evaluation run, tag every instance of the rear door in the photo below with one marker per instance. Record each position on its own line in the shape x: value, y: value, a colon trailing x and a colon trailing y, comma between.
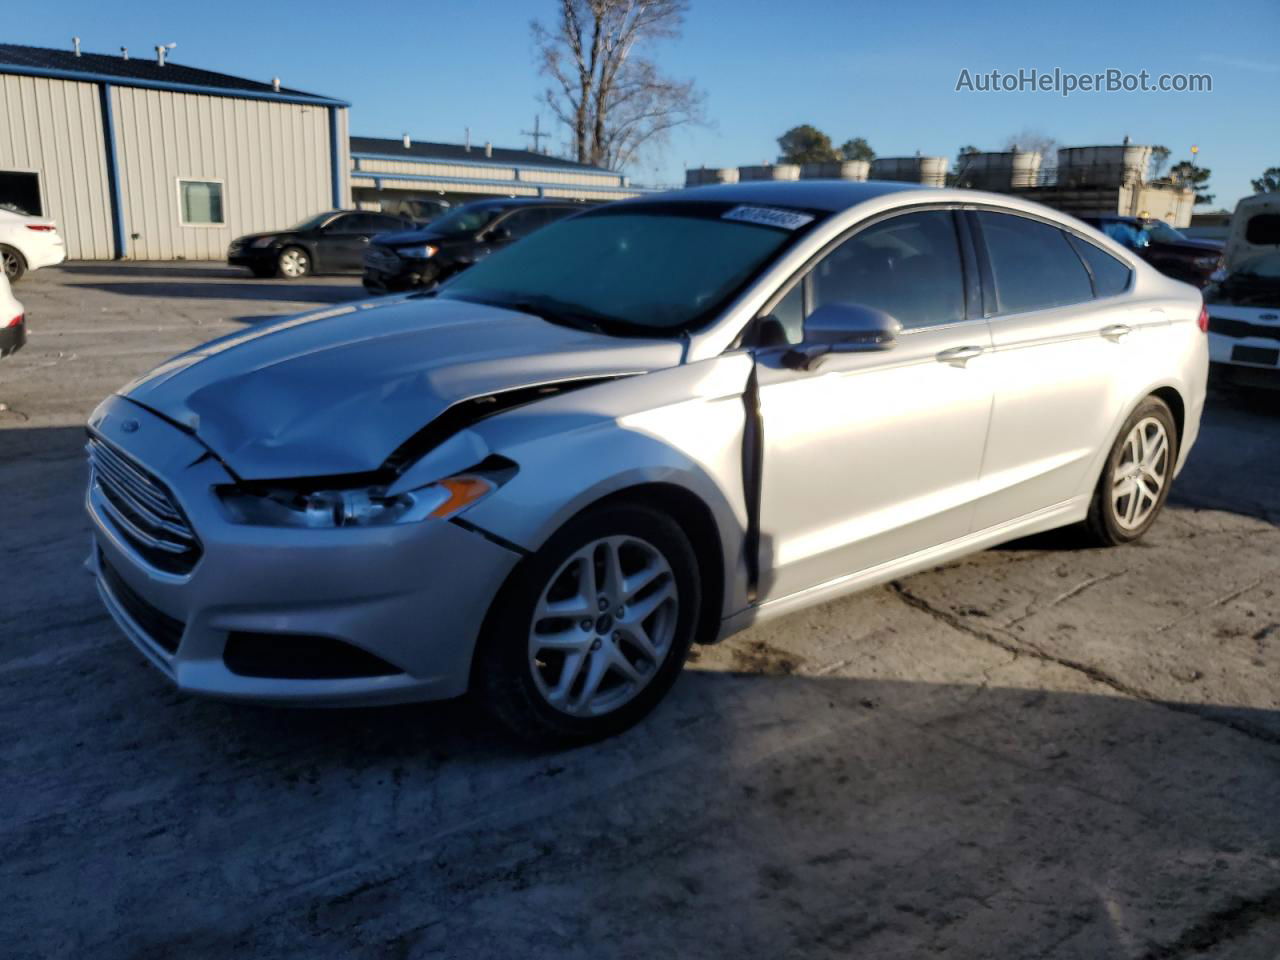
x: 874, y: 456
x: 1063, y: 330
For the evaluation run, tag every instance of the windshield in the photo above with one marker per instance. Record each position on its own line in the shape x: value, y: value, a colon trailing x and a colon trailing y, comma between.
x: 645, y: 268
x: 311, y: 223
x: 464, y: 220
x: 1164, y: 233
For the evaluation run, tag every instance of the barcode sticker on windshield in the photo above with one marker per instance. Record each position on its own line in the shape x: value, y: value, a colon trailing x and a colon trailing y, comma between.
x: 769, y: 217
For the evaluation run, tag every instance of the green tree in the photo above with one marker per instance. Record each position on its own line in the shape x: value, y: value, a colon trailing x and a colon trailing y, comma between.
x: 1159, y: 157
x: 1195, y: 177
x: 1269, y: 182
x: 806, y: 144
x: 857, y: 149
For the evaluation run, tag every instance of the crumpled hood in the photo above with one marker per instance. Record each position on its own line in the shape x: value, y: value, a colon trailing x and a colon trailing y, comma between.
x: 337, y: 391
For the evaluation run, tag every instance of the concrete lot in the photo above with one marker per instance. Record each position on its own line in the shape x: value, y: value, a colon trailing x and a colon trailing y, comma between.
x: 1040, y: 751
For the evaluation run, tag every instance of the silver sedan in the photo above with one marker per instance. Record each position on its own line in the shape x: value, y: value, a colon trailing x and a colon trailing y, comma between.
x: 649, y: 425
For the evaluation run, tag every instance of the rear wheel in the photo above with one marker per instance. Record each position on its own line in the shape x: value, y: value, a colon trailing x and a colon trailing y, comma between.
x: 15, y: 265
x: 293, y: 263
x: 1136, y: 478
x: 589, y: 633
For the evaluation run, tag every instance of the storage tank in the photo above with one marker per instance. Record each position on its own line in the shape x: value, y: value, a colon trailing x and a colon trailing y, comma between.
x: 839, y: 170
x: 770, y: 171
x: 701, y: 176
x: 929, y: 171
x: 999, y: 170
x: 1102, y: 166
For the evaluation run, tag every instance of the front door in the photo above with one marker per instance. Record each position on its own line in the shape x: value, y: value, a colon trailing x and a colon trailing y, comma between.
x: 872, y: 457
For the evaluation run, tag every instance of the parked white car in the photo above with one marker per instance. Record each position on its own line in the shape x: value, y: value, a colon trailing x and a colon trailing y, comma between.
x: 13, y: 320
x: 1244, y: 305
x: 28, y: 243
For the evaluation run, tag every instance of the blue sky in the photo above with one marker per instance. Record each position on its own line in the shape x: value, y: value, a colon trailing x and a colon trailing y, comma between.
x: 886, y: 72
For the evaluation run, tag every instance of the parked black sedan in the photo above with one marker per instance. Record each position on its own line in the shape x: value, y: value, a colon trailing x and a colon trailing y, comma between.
x: 425, y: 256
x: 330, y: 242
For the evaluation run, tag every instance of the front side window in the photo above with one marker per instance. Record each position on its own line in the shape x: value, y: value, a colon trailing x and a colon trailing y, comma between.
x: 201, y: 202
x: 908, y: 266
x: 1033, y: 264
x: 655, y: 268
x: 464, y: 220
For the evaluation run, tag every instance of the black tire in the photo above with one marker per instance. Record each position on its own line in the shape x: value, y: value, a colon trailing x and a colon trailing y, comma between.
x: 1102, y: 526
x: 502, y: 678
x: 300, y: 256
x: 15, y: 265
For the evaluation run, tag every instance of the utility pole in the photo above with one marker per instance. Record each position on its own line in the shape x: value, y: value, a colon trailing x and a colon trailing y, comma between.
x: 536, y: 133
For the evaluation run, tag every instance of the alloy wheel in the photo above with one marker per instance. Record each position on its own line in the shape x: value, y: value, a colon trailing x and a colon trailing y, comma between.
x: 10, y: 264
x: 1140, y: 474
x: 293, y: 263
x: 603, y: 626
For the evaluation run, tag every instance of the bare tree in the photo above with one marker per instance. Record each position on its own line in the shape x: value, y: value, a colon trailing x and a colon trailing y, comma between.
x: 611, y: 97
x: 1040, y: 142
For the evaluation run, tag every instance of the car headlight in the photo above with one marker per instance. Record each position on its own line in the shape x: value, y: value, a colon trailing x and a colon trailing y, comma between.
x: 423, y: 251
x: 263, y: 242
x: 360, y: 507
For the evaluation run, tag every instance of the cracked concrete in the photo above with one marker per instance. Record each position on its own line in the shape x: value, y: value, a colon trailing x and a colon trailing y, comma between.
x: 1037, y: 751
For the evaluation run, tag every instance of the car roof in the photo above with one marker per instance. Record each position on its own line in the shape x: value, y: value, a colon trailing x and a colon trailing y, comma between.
x: 829, y: 195
x: 505, y: 203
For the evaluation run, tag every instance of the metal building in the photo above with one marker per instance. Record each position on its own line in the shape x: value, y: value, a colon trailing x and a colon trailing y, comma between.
x: 389, y: 175
x: 153, y: 160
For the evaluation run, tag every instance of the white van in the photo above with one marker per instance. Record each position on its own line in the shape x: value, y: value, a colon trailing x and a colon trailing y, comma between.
x: 1244, y: 306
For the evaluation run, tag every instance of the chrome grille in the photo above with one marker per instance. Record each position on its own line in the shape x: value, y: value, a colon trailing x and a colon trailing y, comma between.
x: 142, y: 509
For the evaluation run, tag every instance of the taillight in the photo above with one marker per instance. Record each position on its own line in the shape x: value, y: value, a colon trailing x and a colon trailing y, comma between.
x: 1203, y: 322
x: 15, y: 321
x: 43, y: 227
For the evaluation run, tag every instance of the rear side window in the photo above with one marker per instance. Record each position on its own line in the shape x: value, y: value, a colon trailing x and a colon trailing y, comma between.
x: 908, y: 266
x: 1110, y: 276
x: 1034, y: 264
x: 1263, y: 230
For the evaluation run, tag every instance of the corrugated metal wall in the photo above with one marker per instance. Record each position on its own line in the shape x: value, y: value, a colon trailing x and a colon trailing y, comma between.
x: 273, y: 160
x: 54, y: 127
x: 488, y: 171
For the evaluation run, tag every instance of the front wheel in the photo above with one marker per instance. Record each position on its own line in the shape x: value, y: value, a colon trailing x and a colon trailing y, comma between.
x: 1136, y: 477
x: 590, y: 632
x: 293, y: 263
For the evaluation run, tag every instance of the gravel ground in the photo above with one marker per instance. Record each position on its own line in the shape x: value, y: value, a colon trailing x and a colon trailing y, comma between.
x: 1039, y: 751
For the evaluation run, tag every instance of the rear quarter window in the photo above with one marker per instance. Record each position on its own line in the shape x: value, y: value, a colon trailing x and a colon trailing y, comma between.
x: 1263, y: 229
x: 1110, y: 276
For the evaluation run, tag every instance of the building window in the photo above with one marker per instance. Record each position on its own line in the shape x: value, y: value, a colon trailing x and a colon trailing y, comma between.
x: 20, y: 191
x: 200, y: 202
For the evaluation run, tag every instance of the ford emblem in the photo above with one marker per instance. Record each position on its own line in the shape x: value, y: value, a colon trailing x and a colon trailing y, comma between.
x: 129, y: 426
x: 1269, y: 316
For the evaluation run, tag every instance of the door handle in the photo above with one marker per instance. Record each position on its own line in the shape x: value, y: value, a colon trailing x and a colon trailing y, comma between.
x: 959, y: 356
x: 364, y: 239
x: 1115, y: 331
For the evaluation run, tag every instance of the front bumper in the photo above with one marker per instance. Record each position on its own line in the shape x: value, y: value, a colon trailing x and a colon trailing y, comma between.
x: 387, y: 271
x: 252, y: 257
x: 12, y: 339
x: 413, y: 595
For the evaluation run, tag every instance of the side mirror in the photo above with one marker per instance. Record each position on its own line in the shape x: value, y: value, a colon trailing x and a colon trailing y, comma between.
x: 842, y: 328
